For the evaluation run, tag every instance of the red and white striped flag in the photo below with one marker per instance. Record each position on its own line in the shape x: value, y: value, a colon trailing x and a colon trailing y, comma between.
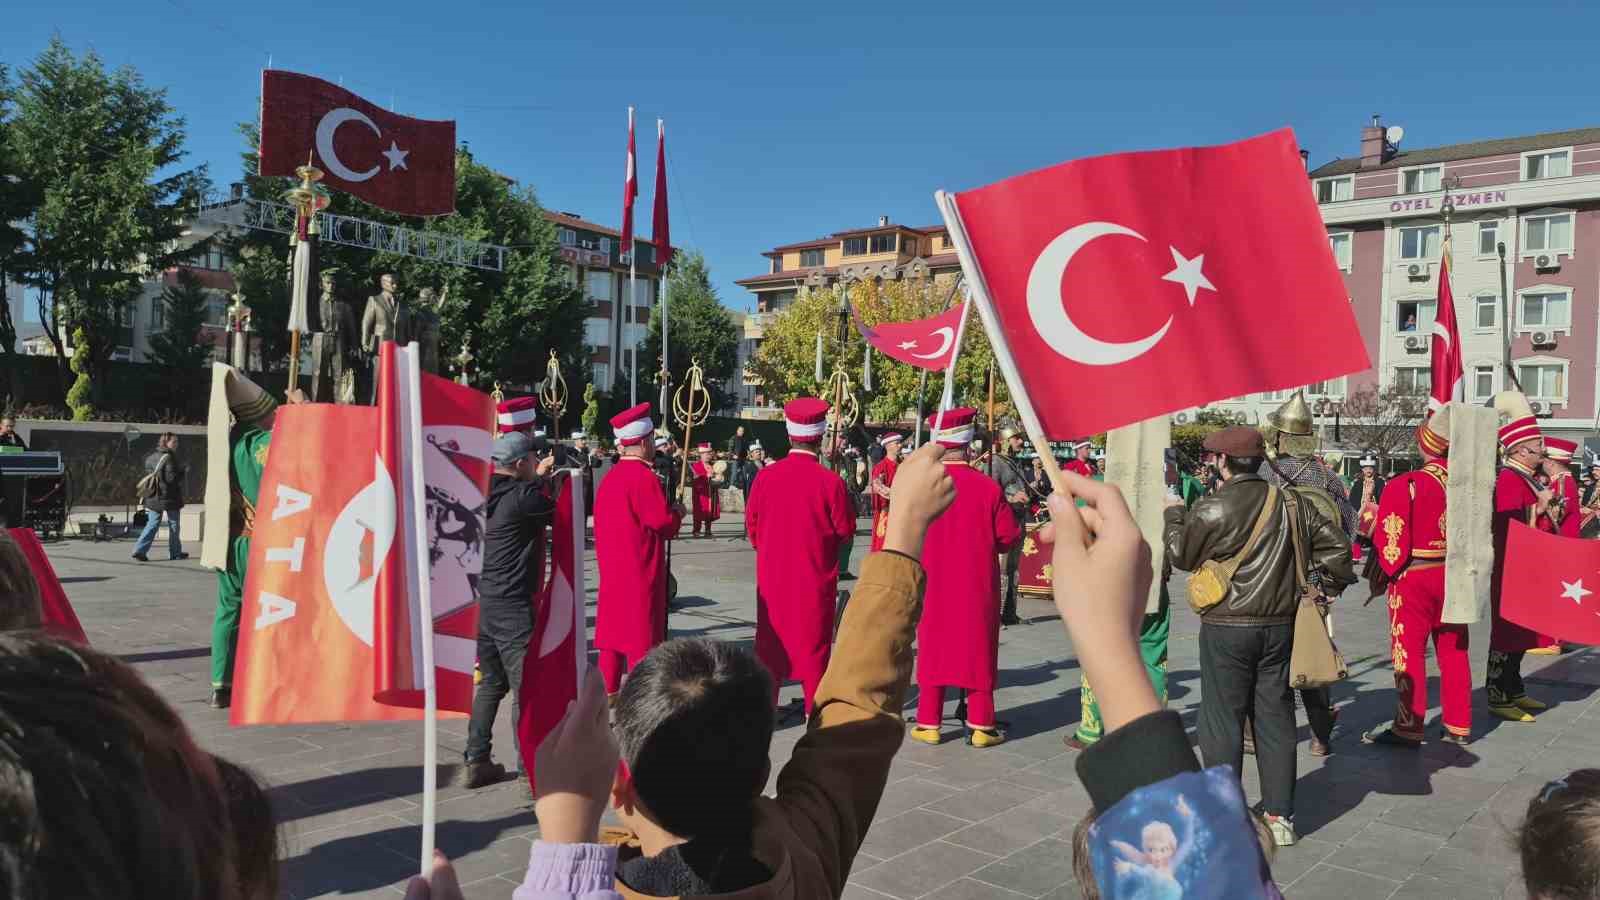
x: 630, y: 190
x: 1446, y: 369
x: 558, y: 653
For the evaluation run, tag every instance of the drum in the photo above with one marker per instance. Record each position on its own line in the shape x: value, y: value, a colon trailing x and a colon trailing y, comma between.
x: 1033, y: 565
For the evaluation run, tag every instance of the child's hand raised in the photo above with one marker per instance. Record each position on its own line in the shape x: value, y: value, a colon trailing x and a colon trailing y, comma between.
x: 922, y: 490
x: 574, y: 768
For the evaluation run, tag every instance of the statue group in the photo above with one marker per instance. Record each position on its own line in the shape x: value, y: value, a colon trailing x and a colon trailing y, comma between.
x: 344, y: 358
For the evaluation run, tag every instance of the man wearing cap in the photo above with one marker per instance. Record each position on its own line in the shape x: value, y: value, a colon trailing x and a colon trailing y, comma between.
x: 1012, y: 474
x: 238, y: 433
x: 958, y: 639
x: 707, y: 503
x: 1369, y: 490
x: 517, y: 511
x: 632, y: 523
x: 1246, y: 639
x: 1410, y: 545
x: 1081, y: 462
x: 1517, y: 496
x: 798, y: 516
x: 516, y: 414
x: 882, y: 479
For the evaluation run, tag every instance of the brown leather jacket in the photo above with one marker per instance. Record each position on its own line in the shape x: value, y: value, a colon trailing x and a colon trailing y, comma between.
x: 1264, y: 590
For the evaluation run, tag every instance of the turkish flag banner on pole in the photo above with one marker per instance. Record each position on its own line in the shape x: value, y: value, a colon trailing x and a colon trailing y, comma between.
x: 1551, y: 584
x: 454, y: 446
x: 1445, y: 362
x: 1125, y: 287
x: 558, y: 653
x: 401, y: 164
x: 925, y: 343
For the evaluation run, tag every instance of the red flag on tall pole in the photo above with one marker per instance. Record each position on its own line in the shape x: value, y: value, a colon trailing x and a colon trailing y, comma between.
x: 630, y: 190
x: 660, y: 230
x: 1446, y: 369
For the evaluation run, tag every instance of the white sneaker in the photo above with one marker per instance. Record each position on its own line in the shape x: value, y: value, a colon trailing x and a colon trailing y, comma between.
x: 1282, y: 828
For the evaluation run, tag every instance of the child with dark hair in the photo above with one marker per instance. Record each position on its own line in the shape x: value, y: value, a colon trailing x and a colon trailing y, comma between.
x: 1559, y: 841
x: 19, y: 592
x: 254, y: 829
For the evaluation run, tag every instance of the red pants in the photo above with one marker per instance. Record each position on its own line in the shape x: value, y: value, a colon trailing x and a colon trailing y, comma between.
x: 808, y: 685
x: 612, y: 664
x: 1416, y: 604
x: 930, y: 707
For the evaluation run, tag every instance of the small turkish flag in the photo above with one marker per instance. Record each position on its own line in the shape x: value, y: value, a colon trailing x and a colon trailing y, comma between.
x: 1551, y: 584
x: 558, y: 652
x: 1130, y: 286
x: 924, y: 343
x: 404, y: 165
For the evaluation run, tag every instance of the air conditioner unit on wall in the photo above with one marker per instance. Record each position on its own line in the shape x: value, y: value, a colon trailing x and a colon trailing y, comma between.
x: 1414, y: 343
x: 1547, y: 261
x: 1538, y: 406
x: 1417, y: 272
x: 1181, y: 418
x: 1543, y: 338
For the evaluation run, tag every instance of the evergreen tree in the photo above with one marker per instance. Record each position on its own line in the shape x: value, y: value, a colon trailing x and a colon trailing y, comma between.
x: 699, y: 329
x: 184, y: 306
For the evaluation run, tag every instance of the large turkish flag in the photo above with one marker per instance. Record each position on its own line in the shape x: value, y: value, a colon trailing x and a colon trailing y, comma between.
x: 402, y: 164
x: 1134, y: 285
x: 1551, y: 584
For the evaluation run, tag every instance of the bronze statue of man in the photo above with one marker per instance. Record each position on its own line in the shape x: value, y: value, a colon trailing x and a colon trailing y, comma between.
x: 425, y: 326
x: 387, y: 317
x: 333, y: 377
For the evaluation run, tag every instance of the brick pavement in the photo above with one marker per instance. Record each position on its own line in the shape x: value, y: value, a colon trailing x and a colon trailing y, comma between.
x: 955, y: 822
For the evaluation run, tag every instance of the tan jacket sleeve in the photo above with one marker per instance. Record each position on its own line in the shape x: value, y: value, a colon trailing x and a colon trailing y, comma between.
x: 830, y: 789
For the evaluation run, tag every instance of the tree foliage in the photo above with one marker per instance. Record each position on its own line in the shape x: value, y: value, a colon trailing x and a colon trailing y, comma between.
x: 184, y: 307
x: 589, y: 420
x: 100, y: 152
x: 1381, y: 422
x: 786, y: 360
x: 514, y: 318
x: 18, y: 199
x: 80, y: 397
x: 700, y: 329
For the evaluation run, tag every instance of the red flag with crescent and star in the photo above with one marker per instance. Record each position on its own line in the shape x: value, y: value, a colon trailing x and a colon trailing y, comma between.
x: 924, y: 343
x: 401, y: 164
x: 558, y: 652
x: 1129, y: 286
x: 1445, y: 361
x: 1551, y: 584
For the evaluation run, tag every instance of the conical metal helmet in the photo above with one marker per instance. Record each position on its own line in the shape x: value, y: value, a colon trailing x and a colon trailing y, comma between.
x: 1293, y: 417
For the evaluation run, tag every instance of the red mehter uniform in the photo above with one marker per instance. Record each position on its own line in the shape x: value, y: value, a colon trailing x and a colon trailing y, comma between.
x: 1567, y: 515
x: 958, y: 640
x: 1086, y: 469
x: 883, y: 473
x: 1410, y: 543
x: 707, y: 503
x: 1516, y: 497
x: 632, y: 522
x: 798, y: 516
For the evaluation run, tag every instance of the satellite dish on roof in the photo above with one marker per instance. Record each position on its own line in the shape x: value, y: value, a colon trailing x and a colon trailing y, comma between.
x: 1393, y: 135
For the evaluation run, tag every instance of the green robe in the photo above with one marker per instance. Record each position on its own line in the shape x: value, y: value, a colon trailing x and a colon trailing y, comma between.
x: 247, y: 451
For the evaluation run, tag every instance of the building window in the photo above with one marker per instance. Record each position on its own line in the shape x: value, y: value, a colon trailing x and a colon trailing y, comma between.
x: 567, y: 237
x: 217, y: 310
x: 777, y: 263
x: 909, y: 245
x: 1332, y: 190
x: 600, y: 375
x: 882, y: 243
x: 1549, y: 164
x: 1339, y: 242
x: 1482, y: 382
x: 1331, y: 388
x: 1488, y: 237
x: 855, y: 246
x: 597, y: 332
x: 640, y: 299
x: 1419, y: 242
x: 1545, y: 309
x: 1486, y: 311
x: 1417, y: 181
x: 1414, y: 315
x: 811, y: 258
x: 1546, y: 233
x: 600, y: 285
x: 1415, y: 380
x: 1544, y: 381
x: 605, y: 246
x: 632, y: 335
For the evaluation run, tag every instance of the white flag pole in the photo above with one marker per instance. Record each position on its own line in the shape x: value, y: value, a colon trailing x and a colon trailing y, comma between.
x: 979, y: 291
x: 633, y: 313
x: 412, y: 423
x: 661, y: 283
x: 947, y: 399
x: 580, y: 639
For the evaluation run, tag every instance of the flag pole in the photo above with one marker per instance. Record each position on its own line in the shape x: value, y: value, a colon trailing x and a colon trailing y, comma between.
x: 997, y: 341
x: 430, y: 693
x: 633, y: 313
x: 661, y: 266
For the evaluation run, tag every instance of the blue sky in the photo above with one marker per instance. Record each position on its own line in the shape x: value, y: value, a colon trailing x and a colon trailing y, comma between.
x: 787, y: 121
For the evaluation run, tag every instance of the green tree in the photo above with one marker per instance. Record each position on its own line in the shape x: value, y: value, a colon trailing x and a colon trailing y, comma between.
x: 700, y: 329
x: 515, y: 317
x: 184, y: 311
x: 590, y: 419
x: 101, y: 150
x: 18, y: 199
x: 80, y: 397
x: 786, y: 360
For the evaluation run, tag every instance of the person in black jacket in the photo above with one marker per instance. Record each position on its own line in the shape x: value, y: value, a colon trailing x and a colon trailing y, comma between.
x: 164, y: 496
x: 518, y: 511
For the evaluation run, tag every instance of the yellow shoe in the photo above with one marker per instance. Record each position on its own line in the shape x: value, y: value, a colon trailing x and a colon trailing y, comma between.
x: 985, y: 737
x: 1510, y: 712
x: 1545, y: 651
x: 925, y: 735
x: 1530, y: 704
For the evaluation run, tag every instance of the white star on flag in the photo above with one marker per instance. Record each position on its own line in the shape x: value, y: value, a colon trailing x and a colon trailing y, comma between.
x: 396, y: 156
x: 1575, y: 591
x: 1188, y: 274
x: 908, y: 345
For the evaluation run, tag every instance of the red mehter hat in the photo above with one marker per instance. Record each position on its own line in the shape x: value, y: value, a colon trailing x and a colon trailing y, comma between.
x: 956, y: 429
x: 515, y: 414
x: 1518, y: 431
x: 632, y: 426
x: 1560, y: 450
x: 703, y: 447
x: 891, y: 437
x: 805, y: 418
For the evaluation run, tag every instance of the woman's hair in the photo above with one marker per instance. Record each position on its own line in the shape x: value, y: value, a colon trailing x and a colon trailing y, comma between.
x: 1559, y: 841
x: 255, y: 831
x: 103, y: 794
x: 19, y: 592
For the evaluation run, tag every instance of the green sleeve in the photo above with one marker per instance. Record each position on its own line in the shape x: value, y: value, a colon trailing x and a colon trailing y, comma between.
x: 249, y: 460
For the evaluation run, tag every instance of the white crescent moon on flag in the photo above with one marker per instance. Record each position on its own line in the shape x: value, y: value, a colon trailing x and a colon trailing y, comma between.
x: 1050, y: 317
x: 325, y: 129
x: 947, y: 336
x: 559, y: 616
